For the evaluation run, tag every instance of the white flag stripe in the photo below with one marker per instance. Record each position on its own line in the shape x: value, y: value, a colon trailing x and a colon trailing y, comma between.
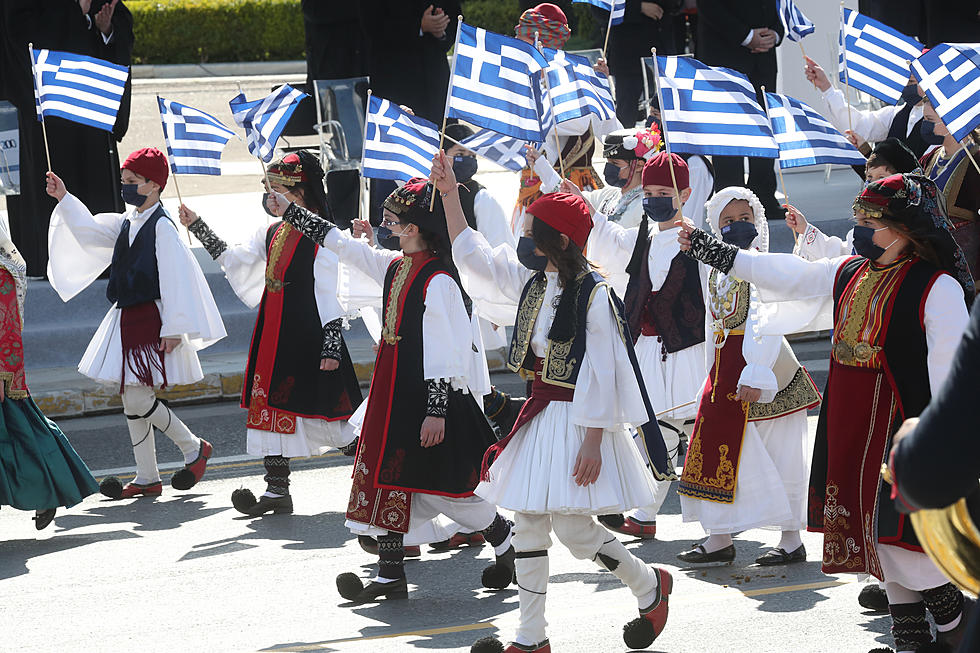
x: 78, y: 88
x: 949, y: 74
x: 874, y: 57
x: 67, y: 107
x: 397, y: 146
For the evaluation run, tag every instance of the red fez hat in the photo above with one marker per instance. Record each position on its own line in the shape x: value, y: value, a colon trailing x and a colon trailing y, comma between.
x: 565, y: 212
x: 656, y: 172
x: 149, y: 163
x: 551, y: 12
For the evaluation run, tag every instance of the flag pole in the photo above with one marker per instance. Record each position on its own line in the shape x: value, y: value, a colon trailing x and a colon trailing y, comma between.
x: 360, y: 179
x: 265, y: 173
x: 605, y: 46
x: 779, y: 166
x: 449, y: 94
x: 554, y: 117
x: 37, y: 89
x: 663, y: 125
x: 172, y: 170
x: 847, y: 83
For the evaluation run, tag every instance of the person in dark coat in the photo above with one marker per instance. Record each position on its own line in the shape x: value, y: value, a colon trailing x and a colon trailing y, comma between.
x: 413, y: 35
x: 645, y: 25
x: 85, y: 157
x: 951, y: 21
x: 743, y: 36
x: 336, y: 47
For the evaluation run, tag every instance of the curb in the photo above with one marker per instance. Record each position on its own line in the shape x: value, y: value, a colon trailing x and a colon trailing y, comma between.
x: 229, y: 69
x: 78, y: 396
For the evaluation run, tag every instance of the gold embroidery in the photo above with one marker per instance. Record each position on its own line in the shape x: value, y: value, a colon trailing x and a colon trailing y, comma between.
x: 799, y: 394
x: 263, y: 417
x: 527, y: 313
x: 558, y: 369
x: 838, y: 549
x: 694, y: 462
x: 274, y: 277
x: 730, y: 309
x: 861, y: 316
x: 394, y: 296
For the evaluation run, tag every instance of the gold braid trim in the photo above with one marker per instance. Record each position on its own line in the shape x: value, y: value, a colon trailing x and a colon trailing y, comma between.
x: 527, y: 313
x: 394, y: 294
x: 272, y: 282
x: 798, y: 395
x: 7, y: 378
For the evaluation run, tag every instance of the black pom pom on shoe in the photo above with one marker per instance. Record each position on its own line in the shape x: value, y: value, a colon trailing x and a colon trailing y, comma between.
x: 349, y: 585
x: 243, y: 500
x: 111, y: 487
x: 497, y: 576
x: 487, y: 645
x: 613, y: 521
x: 639, y: 633
x: 183, y: 479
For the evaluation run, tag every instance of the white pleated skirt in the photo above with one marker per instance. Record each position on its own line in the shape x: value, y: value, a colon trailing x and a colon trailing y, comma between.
x: 533, y: 474
x: 913, y: 570
x: 674, y: 381
x: 313, y: 437
x: 103, y: 359
x: 771, y: 488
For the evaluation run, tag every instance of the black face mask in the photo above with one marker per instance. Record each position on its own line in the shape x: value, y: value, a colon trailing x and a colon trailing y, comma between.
x: 864, y: 244
x: 910, y: 94
x: 928, y: 132
x: 610, y: 173
x: 464, y: 167
x: 131, y: 195
x: 527, y: 257
x: 388, y: 239
x: 740, y: 234
x: 659, y: 209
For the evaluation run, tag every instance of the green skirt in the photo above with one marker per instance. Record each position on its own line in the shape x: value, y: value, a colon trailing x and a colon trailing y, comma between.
x: 39, y: 469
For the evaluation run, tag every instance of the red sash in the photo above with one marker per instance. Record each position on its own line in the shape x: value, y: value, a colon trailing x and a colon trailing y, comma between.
x: 139, y: 333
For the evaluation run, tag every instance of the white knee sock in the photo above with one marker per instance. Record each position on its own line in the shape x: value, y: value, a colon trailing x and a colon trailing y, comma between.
x: 717, y: 542
x: 167, y: 421
x: 634, y: 573
x: 532, y: 588
x: 144, y: 451
x: 790, y: 541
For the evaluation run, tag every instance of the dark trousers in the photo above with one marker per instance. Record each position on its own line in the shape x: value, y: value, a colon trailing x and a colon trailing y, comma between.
x: 629, y: 89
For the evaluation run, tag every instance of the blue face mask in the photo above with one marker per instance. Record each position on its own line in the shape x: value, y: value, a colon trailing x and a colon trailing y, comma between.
x: 910, y: 94
x: 610, y: 173
x: 659, y: 209
x: 132, y: 196
x: 741, y: 234
x: 928, y: 132
x: 527, y: 257
x: 389, y: 239
x: 864, y: 244
x: 464, y: 167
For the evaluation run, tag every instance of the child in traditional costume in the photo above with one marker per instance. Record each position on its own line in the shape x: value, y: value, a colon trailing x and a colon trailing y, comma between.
x: 39, y: 469
x: 424, y: 432
x: 664, y: 302
x: 571, y: 454
x: 746, y: 465
x: 162, y: 312
x: 899, y: 311
x: 300, y: 387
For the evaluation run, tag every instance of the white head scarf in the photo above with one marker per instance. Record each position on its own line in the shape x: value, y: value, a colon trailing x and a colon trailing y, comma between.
x: 721, y: 199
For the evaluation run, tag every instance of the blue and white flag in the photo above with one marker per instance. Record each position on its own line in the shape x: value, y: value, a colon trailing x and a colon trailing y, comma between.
x: 82, y: 89
x: 491, y: 85
x: 576, y: 88
x: 712, y: 111
x: 805, y: 137
x: 795, y: 21
x: 397, y: 145
x: 616, y: 9
x: 950, y: 76
x: 195, y: 140
x: 263, y: 120
x: 503, y: 150
x: 877, y: 56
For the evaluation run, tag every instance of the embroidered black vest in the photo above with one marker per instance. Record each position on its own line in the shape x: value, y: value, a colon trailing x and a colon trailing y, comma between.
x: 133, y: 276
x: 563, y: 359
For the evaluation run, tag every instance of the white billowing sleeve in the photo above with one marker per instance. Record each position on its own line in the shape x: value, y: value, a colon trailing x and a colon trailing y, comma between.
x: 872, y: 126
x: 79, y: 245
x: 450, y: 341
x: 702, y: 183
x: 945, y: 318
x: 610, y: 244
x: 814, y: 244
x: 187, y: 308
x: 492, y: 220
x: 549, y: 178
x: 760, y: 353
x: 244, y: 265
x: 359, y: 254
x: 492, y: 276
x: 607, y: 394
x: 325, y: 286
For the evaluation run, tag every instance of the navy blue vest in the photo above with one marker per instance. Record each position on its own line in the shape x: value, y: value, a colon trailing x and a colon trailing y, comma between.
x: 134, y: 277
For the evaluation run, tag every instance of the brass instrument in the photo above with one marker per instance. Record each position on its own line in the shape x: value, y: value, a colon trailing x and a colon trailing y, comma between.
x: 952, y: 540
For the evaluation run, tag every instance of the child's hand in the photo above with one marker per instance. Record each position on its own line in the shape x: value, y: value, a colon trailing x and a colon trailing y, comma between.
x: 187, y: 217
x: 795, y: 219
x: 55, y: 187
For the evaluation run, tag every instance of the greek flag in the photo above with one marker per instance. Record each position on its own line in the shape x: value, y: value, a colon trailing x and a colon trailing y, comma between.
x: 804, y: 137
x: 712, y: 111
x: 263, y: 120
x: 576, y: 88
x: 397, y: 145
x: 796, y: 23
x: 82, y: 89
x: 950, y: 76
x: 616, y: 9
x: 503, y: 150
x: 875, y: 56
x: 491, y: 85
x: 195, y: 139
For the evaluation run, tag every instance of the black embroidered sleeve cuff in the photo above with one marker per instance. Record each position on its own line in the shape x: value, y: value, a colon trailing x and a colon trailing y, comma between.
x: 332, y: 340
x: 309, y: 224
x: 438, y: 402
x: 208, y: 238
x: 712, y: 251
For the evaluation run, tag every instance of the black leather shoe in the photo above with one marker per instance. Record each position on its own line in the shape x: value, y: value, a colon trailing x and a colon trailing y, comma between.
x: 698, y: 555
x: 43, y: 518
x: 347, y: 586
x: 276, y: 505
x: 778, y: 556
x: 873, y: 598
